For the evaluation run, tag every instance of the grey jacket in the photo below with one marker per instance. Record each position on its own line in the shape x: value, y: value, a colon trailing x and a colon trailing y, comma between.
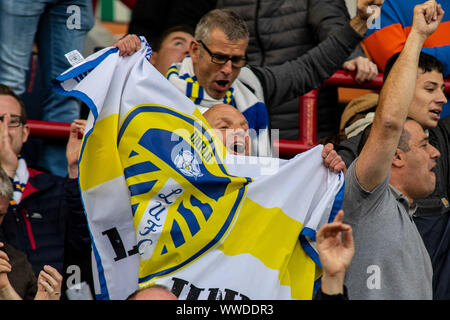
x: 282, y: 30
x: 296, y: 77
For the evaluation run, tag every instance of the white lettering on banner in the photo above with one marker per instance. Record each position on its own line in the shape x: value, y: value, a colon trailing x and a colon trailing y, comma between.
x: 151, y: 224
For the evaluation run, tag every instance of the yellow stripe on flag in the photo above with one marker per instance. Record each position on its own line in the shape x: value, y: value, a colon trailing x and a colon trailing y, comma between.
x: 272, y: 237
x: 101, y: 145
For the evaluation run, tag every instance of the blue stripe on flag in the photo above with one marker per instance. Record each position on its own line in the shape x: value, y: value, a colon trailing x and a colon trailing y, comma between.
x: 136, y: 111
x: 337, y: 204
x: 141, y: 188
x: 308, y: 232
x: 309, y: 250
x: 133, y: 153
x: 205, y: 208
x: 190, y: 219
x: 77, y: 94
x: 317, y: 285
x: 139, y: 168
x: 311, y: 233
x: 212, y: 243
x: 166, y: 144
x: 86, y: 66
x: 176, y: 234
x: 134, y: 208
x: 103, y: 295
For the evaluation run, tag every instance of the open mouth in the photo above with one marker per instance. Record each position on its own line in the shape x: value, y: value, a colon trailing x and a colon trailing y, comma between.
x: 238, y: 148
x: 436, y: 112
x: 433, y: 165
x: 222, y: 83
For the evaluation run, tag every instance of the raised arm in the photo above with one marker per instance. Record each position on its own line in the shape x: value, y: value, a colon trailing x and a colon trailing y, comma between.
x: 374, y: 162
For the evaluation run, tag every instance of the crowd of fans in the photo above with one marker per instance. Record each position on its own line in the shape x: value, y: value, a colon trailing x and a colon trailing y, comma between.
x: 245, y: 64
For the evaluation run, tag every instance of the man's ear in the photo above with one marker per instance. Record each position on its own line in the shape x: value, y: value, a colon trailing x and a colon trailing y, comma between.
x: 25, y: 133
x: 399, y: 160
x: 194, y: 51
x: 154, y: 58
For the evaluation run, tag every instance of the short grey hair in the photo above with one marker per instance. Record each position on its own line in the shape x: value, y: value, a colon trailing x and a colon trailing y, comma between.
x: 6, y: 188
x: 226, y: 20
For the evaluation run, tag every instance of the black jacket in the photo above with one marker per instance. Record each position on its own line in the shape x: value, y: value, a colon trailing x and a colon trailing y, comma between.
x: 37, y: 226
x: 283, y: 30
x: 432, y: 216
x: 49, y: 225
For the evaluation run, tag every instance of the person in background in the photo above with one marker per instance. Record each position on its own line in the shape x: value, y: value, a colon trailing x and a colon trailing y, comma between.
x: 215, y: 73
x: 57, y: 27
x: 334, y: 242
x: 17, y: 279
x: 154, y: 292
x: 433, y: 212
x: 381, y: 184
x: 45, y: 218
x: 389, y: 33
x: 172, y: 46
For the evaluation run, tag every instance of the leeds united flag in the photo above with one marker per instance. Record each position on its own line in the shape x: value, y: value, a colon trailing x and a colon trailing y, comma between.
x: 165, y: 203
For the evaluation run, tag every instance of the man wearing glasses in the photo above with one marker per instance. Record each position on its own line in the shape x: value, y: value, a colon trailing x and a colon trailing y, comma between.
x: 216, y: 71
x: 45, y: 216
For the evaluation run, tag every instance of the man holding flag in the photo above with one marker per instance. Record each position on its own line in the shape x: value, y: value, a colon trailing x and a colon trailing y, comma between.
x: 216, y: 71
x: 168, y: 204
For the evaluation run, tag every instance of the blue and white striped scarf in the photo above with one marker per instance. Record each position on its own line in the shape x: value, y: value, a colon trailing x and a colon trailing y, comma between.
x: 182, y: 76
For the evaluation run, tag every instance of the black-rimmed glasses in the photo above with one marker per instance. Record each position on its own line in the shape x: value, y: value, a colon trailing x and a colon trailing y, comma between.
x: 14, y: 120
x: 237, y: 62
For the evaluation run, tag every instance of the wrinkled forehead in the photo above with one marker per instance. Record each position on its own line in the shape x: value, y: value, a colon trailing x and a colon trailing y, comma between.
x: 415, y: 130
x: 224, y: 112
x: 219, y: 41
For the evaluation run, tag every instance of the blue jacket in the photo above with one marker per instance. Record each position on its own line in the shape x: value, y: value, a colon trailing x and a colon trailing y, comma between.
x: 38, y: 225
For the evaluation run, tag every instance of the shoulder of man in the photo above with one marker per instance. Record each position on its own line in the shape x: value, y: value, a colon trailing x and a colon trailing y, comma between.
x: 252, y: 82
x: 42, y: 179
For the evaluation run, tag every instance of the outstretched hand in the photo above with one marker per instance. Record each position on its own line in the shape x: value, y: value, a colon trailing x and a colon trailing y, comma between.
x: 73, y: 146
x: 427, y: 17
x: 335, y: 254
x: 332, y: 160
x: 128, y: 45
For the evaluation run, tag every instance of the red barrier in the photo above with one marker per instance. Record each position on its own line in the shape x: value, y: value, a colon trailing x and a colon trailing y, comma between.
x: 345, y: 79
x: 287, y: 148
x: 49, y: 129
